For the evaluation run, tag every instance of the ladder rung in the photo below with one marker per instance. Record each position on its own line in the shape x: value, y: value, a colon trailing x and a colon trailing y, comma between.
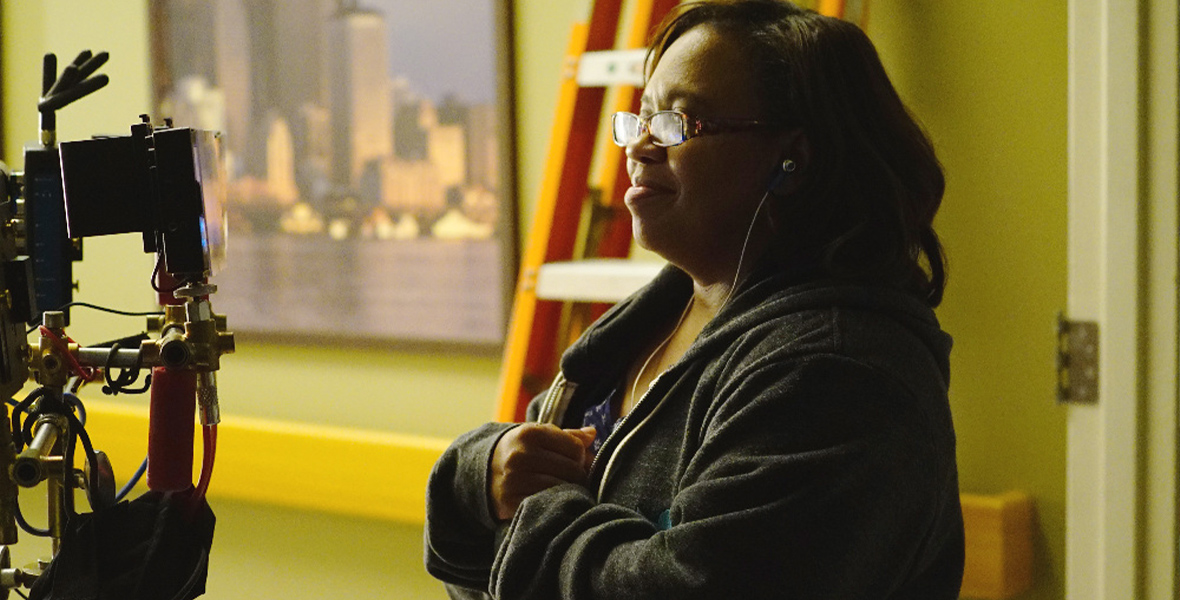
x: 611, y: 67
x: 594, y: 279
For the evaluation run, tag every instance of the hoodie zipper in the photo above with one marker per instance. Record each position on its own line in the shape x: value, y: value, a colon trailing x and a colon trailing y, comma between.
x: 615, y: 432
x: 619, y: 425
x: 556, y: 399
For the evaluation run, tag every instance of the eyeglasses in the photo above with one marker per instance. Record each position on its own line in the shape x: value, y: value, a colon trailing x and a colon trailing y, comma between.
x: 672, y: 127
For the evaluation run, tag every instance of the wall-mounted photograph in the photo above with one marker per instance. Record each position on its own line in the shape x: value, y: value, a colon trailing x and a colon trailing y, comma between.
x: 368, y: 160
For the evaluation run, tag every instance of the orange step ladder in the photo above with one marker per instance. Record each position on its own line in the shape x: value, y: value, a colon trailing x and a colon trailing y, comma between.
x: 534, y: 333
x: 557, y: 296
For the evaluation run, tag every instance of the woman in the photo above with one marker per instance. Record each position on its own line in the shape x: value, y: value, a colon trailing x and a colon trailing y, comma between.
x: 768, y: 418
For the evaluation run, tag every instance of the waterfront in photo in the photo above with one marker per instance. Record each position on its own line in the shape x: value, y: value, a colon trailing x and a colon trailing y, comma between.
x: 419, y: 290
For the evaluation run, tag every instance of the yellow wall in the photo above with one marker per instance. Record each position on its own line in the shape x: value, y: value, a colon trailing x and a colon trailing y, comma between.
x: 986, y: 79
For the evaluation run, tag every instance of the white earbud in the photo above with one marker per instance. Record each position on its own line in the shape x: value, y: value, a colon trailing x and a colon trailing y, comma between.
x: 787, y: 168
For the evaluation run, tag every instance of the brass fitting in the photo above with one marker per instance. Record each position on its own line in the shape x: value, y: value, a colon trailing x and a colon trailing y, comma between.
x: 35, y: 463
x: 47, y: 360
x: 191, y: 337
x: 172, y: 348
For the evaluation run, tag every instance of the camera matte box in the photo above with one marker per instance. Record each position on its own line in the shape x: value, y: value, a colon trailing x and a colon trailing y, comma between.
x: 107, y: 186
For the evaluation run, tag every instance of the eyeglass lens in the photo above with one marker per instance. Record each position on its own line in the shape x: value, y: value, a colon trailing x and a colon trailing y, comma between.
x: 666, y: 128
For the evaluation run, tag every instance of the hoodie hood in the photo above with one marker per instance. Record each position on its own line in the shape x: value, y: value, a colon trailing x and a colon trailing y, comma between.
x: 763, y: 297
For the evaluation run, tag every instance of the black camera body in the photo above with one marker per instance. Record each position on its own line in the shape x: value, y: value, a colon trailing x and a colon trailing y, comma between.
x: 16, y: 287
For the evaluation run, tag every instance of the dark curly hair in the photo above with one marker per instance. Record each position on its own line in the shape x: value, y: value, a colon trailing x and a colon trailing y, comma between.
x: 869, y: 191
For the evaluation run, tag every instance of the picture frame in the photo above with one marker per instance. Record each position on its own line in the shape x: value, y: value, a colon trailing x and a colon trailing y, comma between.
x: 370, y: 163
x: 3, y: 138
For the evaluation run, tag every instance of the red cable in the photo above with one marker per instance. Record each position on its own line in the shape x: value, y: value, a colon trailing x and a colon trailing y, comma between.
x: 210, y: 454
x: 85, y: 373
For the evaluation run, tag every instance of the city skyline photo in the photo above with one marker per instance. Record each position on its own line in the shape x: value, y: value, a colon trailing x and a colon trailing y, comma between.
x: 364, y: 152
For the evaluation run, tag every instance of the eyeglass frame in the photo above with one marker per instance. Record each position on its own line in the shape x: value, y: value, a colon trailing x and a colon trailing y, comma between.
x: 690, y: 126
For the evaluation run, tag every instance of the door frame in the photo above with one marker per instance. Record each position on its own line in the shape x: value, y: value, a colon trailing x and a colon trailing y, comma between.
x: 1121, y: 534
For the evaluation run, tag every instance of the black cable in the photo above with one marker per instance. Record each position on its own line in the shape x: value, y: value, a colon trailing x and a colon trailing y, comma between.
x: 126, y: 376
x: 78, y: 424
x: 202, y: 566
x: 92, y: 482
x: 26, y: 431
x: 156, y: 271
x: 67, y: 480
x: 91, y: 456
x: 76, y: 402
x: 17, y: 426
x: 59, y: 406
x: 106, y: 309
x: 114, y: 311
x: 147, y: 385
x: 112, y: 387
x: 77, y: 427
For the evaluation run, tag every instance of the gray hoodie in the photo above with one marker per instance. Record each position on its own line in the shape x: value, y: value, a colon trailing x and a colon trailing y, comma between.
x: 801, y: 448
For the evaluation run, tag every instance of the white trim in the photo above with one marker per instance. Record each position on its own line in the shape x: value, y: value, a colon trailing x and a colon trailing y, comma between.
x: 1102, y: 554
x: 1121, y: 476
x: 1160, y: 182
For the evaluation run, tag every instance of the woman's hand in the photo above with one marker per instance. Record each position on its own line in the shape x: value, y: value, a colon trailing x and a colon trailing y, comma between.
x: 534, y: 457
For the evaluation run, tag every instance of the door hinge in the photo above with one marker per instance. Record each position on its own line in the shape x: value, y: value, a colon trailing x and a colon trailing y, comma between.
x: 1077, y: 361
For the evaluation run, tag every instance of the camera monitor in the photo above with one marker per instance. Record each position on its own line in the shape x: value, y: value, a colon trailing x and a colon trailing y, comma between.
x: 166, y: 183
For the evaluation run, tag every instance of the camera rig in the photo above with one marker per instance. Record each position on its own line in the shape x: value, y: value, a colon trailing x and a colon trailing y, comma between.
x: 167, y: 184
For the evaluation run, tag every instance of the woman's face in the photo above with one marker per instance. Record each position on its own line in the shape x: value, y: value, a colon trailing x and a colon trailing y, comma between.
x: 694, y: 203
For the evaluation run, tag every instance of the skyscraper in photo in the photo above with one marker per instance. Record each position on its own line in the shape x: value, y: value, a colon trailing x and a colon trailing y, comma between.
x: 231, y: 43
x: 359, y: 91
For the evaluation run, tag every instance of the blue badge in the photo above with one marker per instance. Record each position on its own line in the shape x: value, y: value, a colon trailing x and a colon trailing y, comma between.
x: 602, y: 418
x: 664, y: 522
